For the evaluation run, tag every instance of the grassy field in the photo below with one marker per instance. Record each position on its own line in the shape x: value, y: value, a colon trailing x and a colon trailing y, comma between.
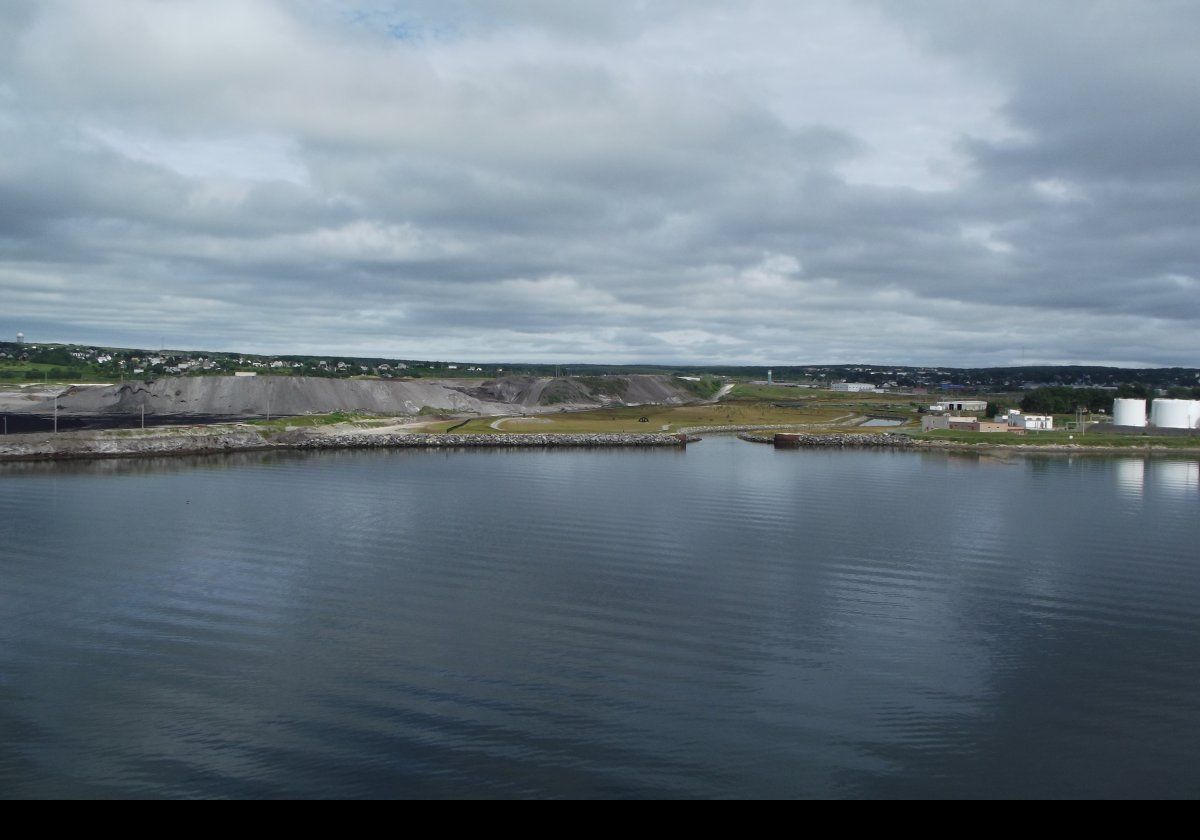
x: 734, y: 413
x: 746, y: 405
x: 29, y: 373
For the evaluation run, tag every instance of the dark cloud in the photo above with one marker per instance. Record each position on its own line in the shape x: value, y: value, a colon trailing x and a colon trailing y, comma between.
x: 763, y: 182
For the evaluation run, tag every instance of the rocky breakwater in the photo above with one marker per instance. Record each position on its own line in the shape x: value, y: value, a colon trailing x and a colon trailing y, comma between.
x: 70, y: 446
x: 839, y: 441
x: 241, y: 438
x: 300, y: 440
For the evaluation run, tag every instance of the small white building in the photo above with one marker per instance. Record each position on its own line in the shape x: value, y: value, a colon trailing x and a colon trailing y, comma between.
x: 1026, y: 422
x: 244, y: 373
x: 959, y: 405
x: 852, y: 387
x: 1035, y: 422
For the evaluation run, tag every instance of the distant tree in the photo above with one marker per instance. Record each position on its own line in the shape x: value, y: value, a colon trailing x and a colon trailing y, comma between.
x: 1133, y: 391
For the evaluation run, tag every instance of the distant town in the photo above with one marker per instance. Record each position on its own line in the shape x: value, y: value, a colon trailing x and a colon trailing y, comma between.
x: 29, y: 361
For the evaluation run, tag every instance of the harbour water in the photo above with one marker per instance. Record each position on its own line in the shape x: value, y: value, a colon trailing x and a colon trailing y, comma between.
x: 728, y: 620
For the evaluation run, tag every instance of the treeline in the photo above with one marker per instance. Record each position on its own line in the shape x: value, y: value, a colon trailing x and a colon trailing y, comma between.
x: 56, y: 374
x: 1057, y: 399
x: 1063, y: 400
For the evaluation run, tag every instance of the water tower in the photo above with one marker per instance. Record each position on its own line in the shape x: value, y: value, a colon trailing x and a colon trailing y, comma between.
x: 770, y: 378
x: 20, y: 338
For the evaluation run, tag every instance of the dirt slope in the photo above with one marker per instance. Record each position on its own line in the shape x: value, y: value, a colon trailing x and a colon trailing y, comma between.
x: 228, y: 396
x: 582, y: 392
x: 252, y: 396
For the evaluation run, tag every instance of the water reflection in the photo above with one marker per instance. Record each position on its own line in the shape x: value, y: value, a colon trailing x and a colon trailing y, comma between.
x: 1177, y: 478
x: 1131, y: 476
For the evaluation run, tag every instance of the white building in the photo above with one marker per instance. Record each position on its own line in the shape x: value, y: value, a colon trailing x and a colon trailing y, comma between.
x: 852, y: 387
x: 1028, y: 422
x: 1035, y: 422
x: 959, y: 405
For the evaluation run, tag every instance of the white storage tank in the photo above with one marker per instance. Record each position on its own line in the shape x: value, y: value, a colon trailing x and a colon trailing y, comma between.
x: 1195, y: 414
x: 1129, y: 412
x: 1171, y: 414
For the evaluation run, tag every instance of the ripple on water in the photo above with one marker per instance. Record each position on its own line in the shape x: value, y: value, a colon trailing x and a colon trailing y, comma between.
x: 726, y: 621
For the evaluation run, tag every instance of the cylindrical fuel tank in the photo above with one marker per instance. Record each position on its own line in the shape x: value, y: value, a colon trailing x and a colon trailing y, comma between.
x: 1129, y: 412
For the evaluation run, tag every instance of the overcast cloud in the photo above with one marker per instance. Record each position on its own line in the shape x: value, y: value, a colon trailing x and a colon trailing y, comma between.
x: 750, y: 182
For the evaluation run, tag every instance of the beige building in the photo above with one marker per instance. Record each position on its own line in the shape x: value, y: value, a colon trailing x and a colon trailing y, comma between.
x: 989, y: 426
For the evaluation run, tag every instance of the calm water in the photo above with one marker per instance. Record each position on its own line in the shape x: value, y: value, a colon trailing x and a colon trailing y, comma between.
x: 726, y: 621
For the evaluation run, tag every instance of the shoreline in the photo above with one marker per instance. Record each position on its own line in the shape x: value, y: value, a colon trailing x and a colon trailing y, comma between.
x: 908, y: 443
x: 206, y: 440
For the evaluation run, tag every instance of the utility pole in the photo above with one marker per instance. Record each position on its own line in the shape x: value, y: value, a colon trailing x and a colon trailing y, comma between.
x: 56, y: 414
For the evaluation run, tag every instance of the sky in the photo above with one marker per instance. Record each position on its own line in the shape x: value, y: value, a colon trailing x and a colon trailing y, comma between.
x: 701, y: 182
